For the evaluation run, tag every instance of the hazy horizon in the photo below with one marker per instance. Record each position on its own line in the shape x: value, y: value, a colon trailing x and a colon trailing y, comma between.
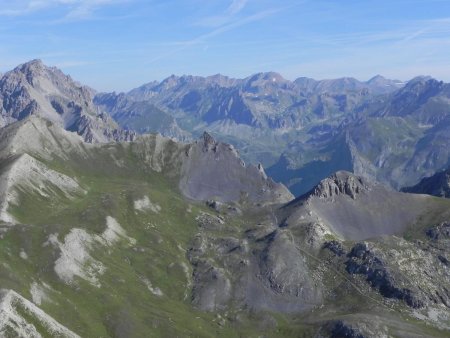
x: 117, y: 45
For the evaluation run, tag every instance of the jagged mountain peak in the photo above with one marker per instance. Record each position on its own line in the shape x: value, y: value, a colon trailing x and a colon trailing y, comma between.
x: 208, y: 140
x: 36, y: 89
x: 35, y: 70
x: 341, y: 183
x: 36, y: 64
x: 208, y: 143
x: 214, y: 170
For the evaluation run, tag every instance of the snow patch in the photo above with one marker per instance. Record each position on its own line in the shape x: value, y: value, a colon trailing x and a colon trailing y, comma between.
x: 11, y: 321
x: 145, y: 204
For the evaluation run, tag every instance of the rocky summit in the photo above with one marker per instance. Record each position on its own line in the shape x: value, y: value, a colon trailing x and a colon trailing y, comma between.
x: 35, y: 89
x: 108, y: 230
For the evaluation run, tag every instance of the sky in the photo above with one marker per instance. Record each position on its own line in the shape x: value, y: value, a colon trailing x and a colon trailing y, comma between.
x: 117, y: 45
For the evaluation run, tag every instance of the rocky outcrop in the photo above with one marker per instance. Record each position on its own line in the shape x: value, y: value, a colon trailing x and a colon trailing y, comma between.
x: 362, y: 260
x: 341, y: 183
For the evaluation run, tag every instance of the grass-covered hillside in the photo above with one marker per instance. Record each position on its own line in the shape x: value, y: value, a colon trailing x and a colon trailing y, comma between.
x: 99, y: 241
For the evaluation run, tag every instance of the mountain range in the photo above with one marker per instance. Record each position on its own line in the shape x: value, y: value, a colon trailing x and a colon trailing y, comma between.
x: 107, y: 230
x: 382, y: 129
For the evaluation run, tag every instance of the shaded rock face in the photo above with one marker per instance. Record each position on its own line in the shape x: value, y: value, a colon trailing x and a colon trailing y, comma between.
x: 35, y: 89
x: 362, y: 260
x: 436, y: 185
x: 213, y: 170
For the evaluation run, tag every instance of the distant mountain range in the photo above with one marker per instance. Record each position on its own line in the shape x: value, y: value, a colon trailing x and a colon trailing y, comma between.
x: 302, y: 131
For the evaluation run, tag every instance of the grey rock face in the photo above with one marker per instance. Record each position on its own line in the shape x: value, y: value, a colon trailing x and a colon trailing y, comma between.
x: 283, y: 269
x: 265, y: 273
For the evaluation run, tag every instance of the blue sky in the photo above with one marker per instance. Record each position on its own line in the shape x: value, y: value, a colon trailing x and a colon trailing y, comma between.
x: 121, y: 44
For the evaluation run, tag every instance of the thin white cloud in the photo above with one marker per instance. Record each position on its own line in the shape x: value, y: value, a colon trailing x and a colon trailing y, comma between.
x: 236, y: 6
x: 75, y: 9
x: 220, y: 30
x: 230, y: 13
